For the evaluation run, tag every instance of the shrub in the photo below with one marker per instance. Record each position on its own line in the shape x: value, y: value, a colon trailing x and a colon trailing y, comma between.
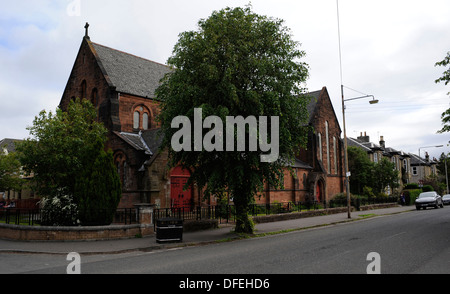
x: 427, y: 188
x: 59, y: 211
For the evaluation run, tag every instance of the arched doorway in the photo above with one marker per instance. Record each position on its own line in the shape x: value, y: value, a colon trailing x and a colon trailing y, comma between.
x: 180, y: 198
x: 320, y: 190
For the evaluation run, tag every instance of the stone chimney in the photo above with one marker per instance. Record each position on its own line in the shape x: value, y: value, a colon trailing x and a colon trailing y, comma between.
x: 427, y: 157
x: 364, y: 138
x: 382, y: 142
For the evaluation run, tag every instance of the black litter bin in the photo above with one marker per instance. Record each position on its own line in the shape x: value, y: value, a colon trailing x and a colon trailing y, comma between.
x: 169, y: 230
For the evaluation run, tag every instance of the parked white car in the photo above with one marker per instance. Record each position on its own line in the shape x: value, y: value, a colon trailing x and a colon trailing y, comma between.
x: 446, y: 199
x: 429, y: 199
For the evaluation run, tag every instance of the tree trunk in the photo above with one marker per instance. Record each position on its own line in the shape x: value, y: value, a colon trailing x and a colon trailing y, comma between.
x: 243, y: 223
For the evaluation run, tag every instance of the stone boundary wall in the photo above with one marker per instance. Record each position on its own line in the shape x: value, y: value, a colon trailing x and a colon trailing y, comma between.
x: 82, y: 233
x: 310, y: 213
x: 49, y: 233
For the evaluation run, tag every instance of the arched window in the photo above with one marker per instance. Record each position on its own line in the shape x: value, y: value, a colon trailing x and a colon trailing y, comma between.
x: 94, y: 97
x: 141, y: 118
x: 83, y: 89
x: 136, y: 117
x: 320, y: 146
x: 121, y: 165
x: 335, y: 155
x: 327, y: 142
x: 145, y: 121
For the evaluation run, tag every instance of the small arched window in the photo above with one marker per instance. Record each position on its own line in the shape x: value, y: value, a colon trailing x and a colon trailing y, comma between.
x: 121, y: 165
x: 136, y: 117
x: 94, y: 97
x: 141, y: 118
x: 145, y: 121
x: 83, y: 89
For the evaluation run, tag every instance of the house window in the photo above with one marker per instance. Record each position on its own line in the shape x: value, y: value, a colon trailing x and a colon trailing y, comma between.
x: 375, y: 157
x: 414, y: 170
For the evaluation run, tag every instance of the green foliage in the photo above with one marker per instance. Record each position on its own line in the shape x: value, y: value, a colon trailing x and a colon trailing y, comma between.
x: 446, y: 79
x: 411, y: 194
x: 10, y: 172
x: 98, y: 191
x: 411, y: 186
x: 68, y: 159
x: 361, y: 168
x: 384, y: 174
x: 427, y: 188
x: 237, y: 64
x: 365, y: 173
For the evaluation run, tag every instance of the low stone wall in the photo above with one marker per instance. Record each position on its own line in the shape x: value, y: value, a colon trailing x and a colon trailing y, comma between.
x: 82, y: 233
x: 50, y: 233
x: 310, y: 213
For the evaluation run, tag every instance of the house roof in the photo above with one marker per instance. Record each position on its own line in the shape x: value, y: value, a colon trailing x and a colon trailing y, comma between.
x: 129, y: 73
x: 9, y: 144
x: 357, y: 143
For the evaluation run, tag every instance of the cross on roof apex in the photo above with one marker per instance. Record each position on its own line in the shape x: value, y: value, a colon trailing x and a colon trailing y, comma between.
x: 86, y: 35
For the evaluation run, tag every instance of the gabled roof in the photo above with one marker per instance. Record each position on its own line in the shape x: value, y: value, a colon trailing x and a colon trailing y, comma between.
x: 417, y: 160
x: 357, y: 143
x: 314, y: 97
x: 128, y: 73
x: 8, y: 144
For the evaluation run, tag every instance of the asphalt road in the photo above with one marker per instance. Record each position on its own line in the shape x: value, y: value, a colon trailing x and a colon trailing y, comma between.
x: 406, y: 243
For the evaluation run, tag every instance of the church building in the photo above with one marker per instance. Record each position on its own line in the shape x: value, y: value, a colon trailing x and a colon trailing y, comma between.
x: 122, y: 88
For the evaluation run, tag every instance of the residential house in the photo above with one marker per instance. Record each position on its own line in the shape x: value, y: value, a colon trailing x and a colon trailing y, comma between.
x: 26, y: 197
x: 422, y: 168
x: 400, y: 159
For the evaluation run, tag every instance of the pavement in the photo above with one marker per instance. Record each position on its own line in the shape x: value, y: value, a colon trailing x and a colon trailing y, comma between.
x: 223, y: 233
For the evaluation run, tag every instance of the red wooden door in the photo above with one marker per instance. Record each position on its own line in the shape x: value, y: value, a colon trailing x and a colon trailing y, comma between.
x: 180, y: 198
x: 318, y: 192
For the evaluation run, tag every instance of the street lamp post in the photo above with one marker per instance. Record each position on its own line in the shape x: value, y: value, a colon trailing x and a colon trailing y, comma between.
x: 347, y: 172
x: 373, y: 101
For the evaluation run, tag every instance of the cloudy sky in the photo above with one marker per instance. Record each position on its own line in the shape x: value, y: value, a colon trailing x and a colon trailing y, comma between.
x: 389, y: 48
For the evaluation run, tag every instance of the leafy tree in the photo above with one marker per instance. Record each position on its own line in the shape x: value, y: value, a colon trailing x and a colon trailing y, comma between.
x: 361, y: 168
x: 444, y: 160
x: 10, y: 172
x: 67, y: 158
x: 384, y: 174
x: 365, y: 173
x: 238, y: 63
x: 446, y: 79
x: 98, y: 191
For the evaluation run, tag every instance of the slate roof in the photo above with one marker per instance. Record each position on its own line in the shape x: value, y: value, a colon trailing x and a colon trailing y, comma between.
x: 135, y: 140
x: 314, y: 96
x: 148, y: 140
x: 9, y: 144
x: 357, y: 143
x: 129, y: 73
